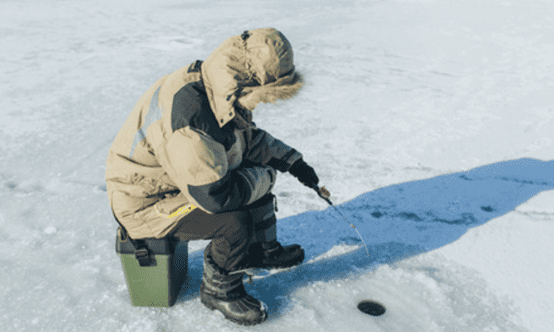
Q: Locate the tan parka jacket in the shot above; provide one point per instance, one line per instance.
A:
(189, 141)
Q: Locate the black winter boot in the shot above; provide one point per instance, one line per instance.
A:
(266, 251)
(273, 255)
(225, 292)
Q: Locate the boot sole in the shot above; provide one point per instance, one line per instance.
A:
(236, 321)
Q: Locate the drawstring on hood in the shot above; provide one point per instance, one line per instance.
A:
(248, 69)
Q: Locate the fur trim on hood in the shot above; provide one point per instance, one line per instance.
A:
(284, 88)
(248, 69)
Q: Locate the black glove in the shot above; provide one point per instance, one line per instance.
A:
(304, 173)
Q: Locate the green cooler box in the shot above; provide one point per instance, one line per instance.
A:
(154, 270)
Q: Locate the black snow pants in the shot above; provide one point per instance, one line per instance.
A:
(231, 232)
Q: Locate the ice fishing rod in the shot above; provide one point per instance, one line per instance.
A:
(325, 194)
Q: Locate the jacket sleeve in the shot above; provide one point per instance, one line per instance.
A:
(267, 150)
(198, 165)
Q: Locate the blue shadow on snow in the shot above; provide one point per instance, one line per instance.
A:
(396, 222)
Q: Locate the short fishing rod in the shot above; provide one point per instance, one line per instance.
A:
(325, 194)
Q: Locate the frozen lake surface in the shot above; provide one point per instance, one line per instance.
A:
(430, 122)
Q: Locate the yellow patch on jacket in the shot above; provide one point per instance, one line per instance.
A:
(180, 211)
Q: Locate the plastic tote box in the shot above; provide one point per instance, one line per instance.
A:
(155, 280)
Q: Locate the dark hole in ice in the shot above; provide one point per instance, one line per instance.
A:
(371, 308)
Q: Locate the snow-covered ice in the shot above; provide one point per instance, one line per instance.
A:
(431, 123)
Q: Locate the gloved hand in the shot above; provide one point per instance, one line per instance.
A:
(304, 173)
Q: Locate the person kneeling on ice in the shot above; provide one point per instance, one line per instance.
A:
(190, 163)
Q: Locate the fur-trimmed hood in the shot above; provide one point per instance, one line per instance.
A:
(248, 69)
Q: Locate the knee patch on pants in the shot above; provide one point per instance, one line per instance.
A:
(265, 221)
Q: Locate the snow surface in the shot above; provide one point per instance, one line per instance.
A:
(430, 122)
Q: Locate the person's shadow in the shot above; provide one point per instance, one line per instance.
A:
(396, 222)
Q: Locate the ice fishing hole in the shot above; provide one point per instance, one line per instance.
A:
(371, 308)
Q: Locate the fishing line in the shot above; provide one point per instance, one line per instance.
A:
(325, 194)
